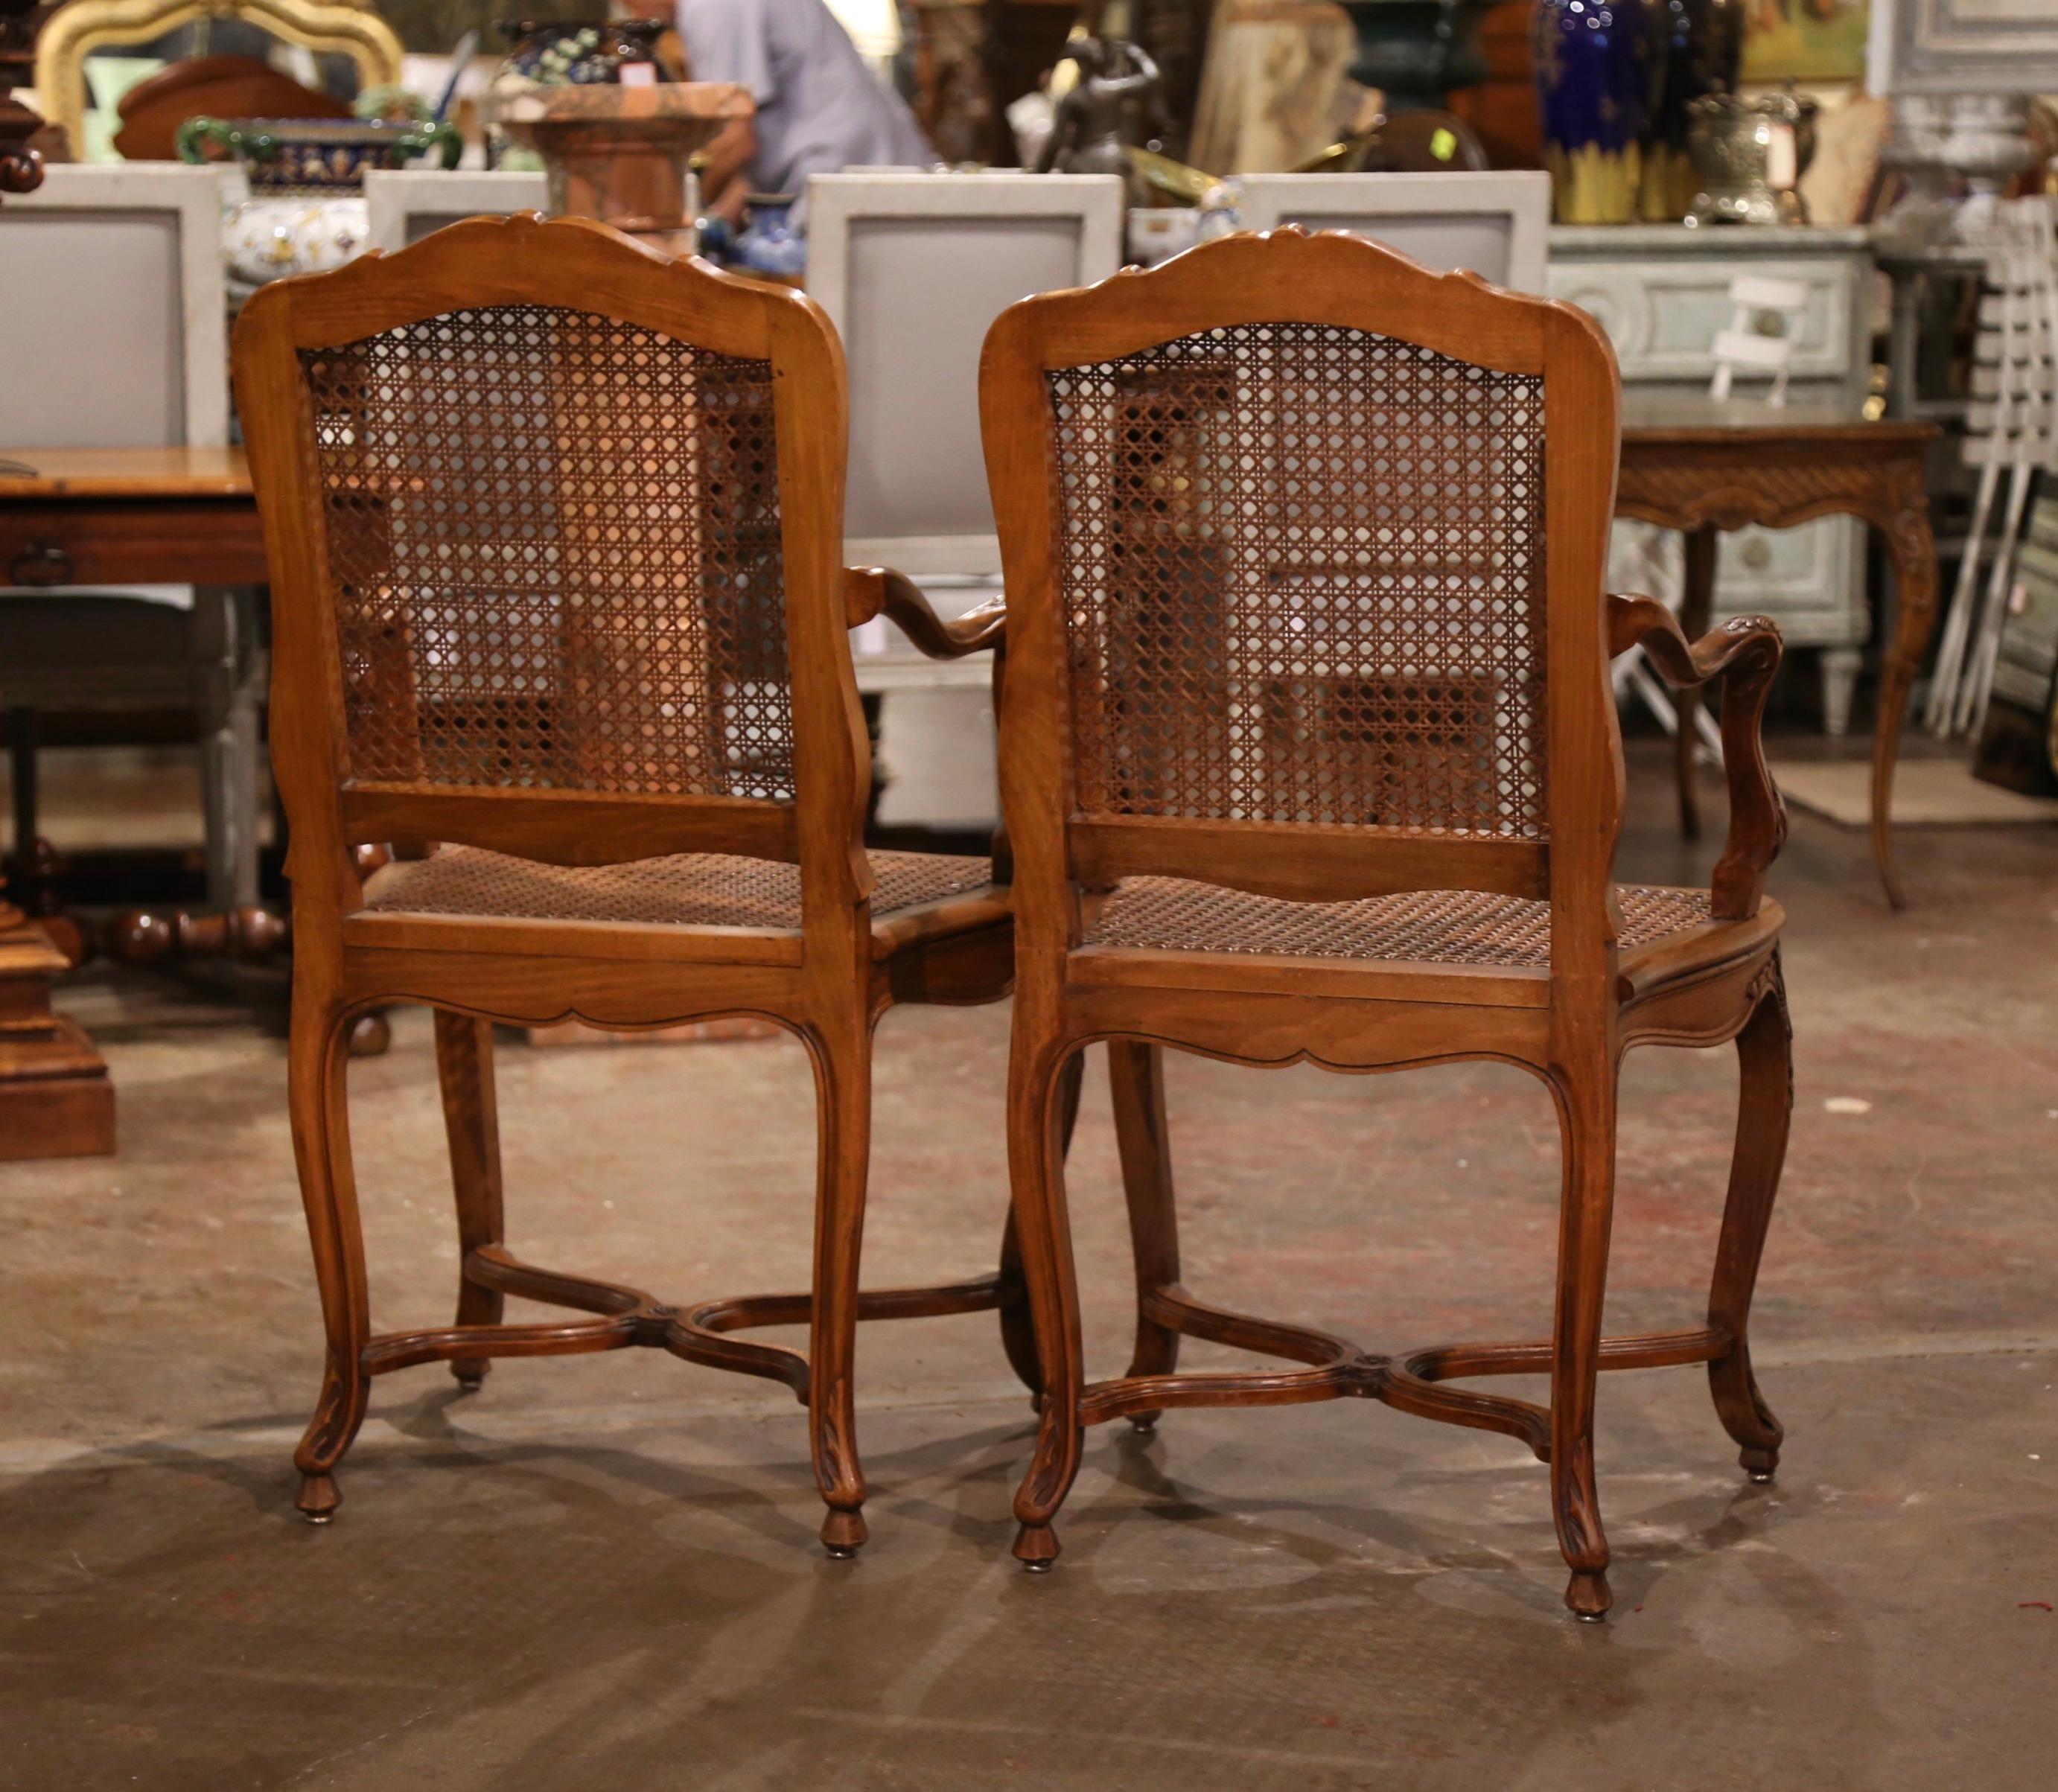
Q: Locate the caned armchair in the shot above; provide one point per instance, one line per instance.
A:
(1308, 753)
(555, 527)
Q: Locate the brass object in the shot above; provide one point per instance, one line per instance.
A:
(1750, 155)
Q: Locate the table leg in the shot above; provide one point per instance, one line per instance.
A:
(1697, 605)
(1905, 343)
(21, 745)
(229, 684)
(1912, 549)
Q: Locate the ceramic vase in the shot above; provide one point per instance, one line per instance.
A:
(305, 214)
(769, 244)
(1592, 83)
(1696, 46)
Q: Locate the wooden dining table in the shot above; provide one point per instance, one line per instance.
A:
(99, 517)
(1702, 465)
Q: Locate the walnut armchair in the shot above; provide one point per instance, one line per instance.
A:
(1308, 752)
(555, 530)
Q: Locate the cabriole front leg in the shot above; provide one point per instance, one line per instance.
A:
(843, 1081)
(1036, 1171)
(1586, 1113)
(1018, 1330)
(317, 1100)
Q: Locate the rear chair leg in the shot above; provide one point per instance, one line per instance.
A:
(464, 1068)
(317, 1101)
(1136, 1073)
(1036, 1170)
(843, 1083)
(1586, 1110)
(1764, 1107)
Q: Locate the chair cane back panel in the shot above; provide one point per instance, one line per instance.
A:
(553, 553)
(1301, 574)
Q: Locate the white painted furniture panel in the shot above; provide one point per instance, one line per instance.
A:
(1496, 225)
(404, 205)
(1663, 314)
(912, 269)
(119, 266)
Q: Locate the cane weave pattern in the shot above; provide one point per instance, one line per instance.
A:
(687, 889)
(1302, 574)
(554, 553)
(1432, 927)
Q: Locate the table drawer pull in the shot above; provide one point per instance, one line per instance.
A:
(42, 564)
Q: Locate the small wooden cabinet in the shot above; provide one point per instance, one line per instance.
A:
(1661, 292)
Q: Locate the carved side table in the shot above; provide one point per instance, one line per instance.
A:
(1702, 466)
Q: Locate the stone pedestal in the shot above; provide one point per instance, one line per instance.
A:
(620, 154)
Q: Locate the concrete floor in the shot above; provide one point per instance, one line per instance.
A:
(602, 1570)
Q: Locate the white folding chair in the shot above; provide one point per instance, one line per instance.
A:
(2013, 428)
(1746, 346)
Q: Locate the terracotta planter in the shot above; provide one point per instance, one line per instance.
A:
(620, 154)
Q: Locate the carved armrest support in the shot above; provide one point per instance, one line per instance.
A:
(1744, 650)
(870, 591)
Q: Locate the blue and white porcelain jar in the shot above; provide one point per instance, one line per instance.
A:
(769, 244)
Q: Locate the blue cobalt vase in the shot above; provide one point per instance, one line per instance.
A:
(1593, 83)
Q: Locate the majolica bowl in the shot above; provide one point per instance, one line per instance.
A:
(305, 214)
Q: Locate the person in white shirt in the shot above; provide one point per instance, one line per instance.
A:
(820, 108)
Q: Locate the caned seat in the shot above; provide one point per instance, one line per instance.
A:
(682, 890)
(1308, 754)
(1420, 927)
(554, 527)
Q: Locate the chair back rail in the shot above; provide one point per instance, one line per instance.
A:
(554, 524)
(1299, 603)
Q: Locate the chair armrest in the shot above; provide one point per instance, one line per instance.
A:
(870, 591)
(1747, 651)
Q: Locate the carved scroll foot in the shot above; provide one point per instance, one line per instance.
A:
(1587, 1597)
(1036, 1548)
(318, 1499)
(844, 1534)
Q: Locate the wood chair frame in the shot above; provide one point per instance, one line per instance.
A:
(1567, 1024)
(829, 981)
